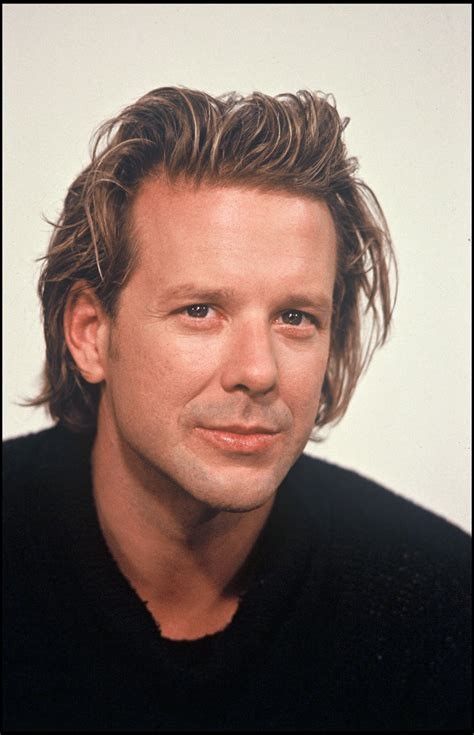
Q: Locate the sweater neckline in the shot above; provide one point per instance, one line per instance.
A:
(277, 570)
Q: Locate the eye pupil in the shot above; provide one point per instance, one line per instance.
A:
(292, 317)
(198, 310)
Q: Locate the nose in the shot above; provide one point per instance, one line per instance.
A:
(250, 362)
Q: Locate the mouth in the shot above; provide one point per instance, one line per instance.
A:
(240, 439)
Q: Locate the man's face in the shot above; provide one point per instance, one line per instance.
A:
(219, 348)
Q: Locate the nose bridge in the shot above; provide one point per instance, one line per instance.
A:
(250, 361)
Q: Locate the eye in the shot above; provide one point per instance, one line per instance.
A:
(197, 311)
(295, 318)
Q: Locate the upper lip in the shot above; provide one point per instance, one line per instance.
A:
(240, 429)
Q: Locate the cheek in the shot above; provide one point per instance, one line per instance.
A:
(153, 366)
(301, 381)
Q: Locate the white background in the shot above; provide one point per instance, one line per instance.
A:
(400, 72)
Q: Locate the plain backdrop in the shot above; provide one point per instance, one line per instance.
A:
(399, 71)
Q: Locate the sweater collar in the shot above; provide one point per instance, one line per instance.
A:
(276, 571)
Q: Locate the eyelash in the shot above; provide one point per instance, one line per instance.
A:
(303, 314)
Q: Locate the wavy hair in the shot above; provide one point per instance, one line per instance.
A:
(290, 142)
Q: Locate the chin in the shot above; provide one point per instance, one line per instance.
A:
(234, 491)
(239, 504)
(219, 482)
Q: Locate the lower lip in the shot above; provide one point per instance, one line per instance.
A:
(242, 443)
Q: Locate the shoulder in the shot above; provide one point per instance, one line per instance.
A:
(391, 583)
(45, 475)
(365, 509)
(28, 455)
(36, 469)
(382, 541)
(31, 442)
(25, 460)
(17, 453)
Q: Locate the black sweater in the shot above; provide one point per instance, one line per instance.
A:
(355, 618)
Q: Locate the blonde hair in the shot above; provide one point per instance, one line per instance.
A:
(290, 142)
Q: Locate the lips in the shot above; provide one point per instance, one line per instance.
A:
(241, 429)
(238, 438)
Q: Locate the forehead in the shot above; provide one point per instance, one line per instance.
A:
(232, 231)
(228, 206)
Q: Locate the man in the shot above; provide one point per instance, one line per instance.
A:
(173, 561)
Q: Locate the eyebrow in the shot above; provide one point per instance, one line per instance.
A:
(318, 301)
(191, 291)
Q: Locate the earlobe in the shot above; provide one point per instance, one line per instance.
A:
(85, 330)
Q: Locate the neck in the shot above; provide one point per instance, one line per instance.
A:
(180, 555)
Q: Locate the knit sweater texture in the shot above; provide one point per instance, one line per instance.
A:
(356, 615)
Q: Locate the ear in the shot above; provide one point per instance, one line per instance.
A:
(86, 329)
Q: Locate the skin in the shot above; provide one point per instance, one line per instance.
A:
(224, 324)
